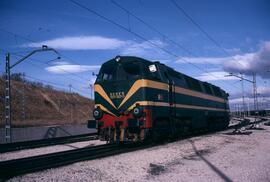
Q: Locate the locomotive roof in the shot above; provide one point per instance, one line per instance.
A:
(128, 59)
(169, 68)
(138, 59)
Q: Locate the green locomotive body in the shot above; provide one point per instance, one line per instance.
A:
(136, 99)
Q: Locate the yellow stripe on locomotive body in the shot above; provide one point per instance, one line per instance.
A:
(144, 83)
(192, 93)
(165, 104)
(104, 109)
(148, 103)
(98, 88)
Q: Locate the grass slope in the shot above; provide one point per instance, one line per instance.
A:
(45, 106)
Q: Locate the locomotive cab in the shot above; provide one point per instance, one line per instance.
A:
(120, 99)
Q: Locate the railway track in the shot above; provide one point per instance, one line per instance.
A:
(16, 167)
(9, 147)
(21, 166)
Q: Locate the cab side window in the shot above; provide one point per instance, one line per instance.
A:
(107, 73)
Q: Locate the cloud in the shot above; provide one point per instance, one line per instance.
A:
(233, 50)
(239, 63)
(248, 63)
(60, 63)
(201, 60)
(258, 62)
(81, 43)
(69, 68)
(146, 50)
(263, 98)
(264, 91)
(249, 102)
(92, 81)
(125, 47)
(88, 84)
(239, 100)
(261, 90)
(215, 75)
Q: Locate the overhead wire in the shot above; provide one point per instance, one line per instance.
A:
(29, 40)
(61, 86)
(45, 81)
(55, 86)
(180, 8)
(32, 41)
(39, 61)
(151, 27)
(188, 16)
(137, 35)
(163, 35)
(35, 65)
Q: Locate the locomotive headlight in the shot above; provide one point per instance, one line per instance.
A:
(97, 113)
(137, 112)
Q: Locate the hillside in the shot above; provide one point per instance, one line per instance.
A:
(44, 105)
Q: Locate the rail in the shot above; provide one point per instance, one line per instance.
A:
(9, 147)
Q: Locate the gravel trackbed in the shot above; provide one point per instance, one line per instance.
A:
(211, 157)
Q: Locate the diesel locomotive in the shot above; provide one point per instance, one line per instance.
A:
(136, 99)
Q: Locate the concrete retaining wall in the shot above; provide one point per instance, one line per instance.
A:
(37, 133)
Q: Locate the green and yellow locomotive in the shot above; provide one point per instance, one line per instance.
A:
(136, 99)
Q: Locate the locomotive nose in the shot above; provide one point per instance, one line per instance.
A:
(117, 92)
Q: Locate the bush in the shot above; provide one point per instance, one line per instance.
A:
(17, 77)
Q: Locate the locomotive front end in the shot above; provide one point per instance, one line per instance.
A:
(120, 113)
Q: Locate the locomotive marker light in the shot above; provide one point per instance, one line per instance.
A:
(137, 112)
(117, 59)
(97, 113)
(152, 68)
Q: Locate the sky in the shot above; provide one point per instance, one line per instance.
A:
(204, 39)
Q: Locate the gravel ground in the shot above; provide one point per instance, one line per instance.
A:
(47, 150)
(55, 148)
(212, 157)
